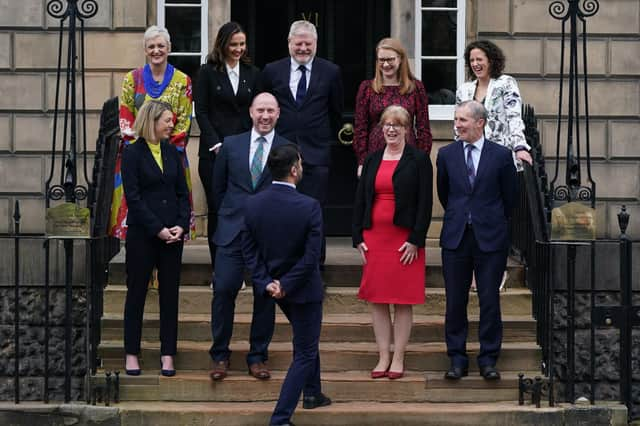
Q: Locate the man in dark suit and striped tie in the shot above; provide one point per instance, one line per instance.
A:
(240, 171)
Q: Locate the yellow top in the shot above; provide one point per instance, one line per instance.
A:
(157, 155)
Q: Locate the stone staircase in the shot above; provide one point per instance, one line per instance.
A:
(348, 352)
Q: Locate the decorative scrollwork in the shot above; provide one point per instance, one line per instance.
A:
(57, 9)
(588, 8)
(584, 194)
(87, 9)
(80, 192)
(558, 9)
(561, 193)
(56, 192)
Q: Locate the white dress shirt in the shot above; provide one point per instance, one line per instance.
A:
(254, 146)
(234, 76)
(279, 182)
(296, 74)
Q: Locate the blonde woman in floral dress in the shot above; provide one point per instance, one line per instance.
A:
(500, 96)
(157, 80)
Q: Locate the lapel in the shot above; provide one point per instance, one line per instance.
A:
(490, 90)
(224, 83)
(243, 86)
(406, 158)
(148, 157)
(485, 158)
(285, 72)
(245, 171)
(314, 81)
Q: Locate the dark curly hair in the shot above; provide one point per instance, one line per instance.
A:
(217, 55)
(494, 54)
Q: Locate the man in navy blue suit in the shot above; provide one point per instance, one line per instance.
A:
(240, 171)
(310, 93)
(477, 186)
(282, 248)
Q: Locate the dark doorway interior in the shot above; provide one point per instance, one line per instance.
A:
(348, 31)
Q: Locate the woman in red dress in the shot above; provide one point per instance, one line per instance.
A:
(392, 212)
(393, 84)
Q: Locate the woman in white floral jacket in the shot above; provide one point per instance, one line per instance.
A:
(499, 94)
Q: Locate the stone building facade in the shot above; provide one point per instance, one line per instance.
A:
(523, 28)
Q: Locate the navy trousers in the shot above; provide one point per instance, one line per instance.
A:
(458, 266)
(303, 376)
(230, 267)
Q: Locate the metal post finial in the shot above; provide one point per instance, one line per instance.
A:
(623, 221)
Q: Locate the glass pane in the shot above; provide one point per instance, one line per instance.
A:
(187, 64)
(439, 33)
(438, 3)
(183, 24)
(439, 78)
(167, 2)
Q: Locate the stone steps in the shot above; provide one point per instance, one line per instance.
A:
(343, 266)
(419, 356)
(338, 300)
(346, 386)
(136, 413)
(335, 328)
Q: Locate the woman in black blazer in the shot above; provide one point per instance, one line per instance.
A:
(392, 212)
(158, 198)
(226, 85)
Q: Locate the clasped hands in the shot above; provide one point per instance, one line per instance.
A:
(409, 252)
(274, 288)
(171, 235)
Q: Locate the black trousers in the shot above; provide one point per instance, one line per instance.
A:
(143, 253)
(205, 169)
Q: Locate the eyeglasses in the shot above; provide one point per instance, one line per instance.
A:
(389, 126)
(391, 60)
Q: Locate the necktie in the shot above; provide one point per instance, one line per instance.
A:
(471, 170)
(256, 162)
(302, 85)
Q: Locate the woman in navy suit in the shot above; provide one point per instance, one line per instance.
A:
(156, 192)
(226, 85)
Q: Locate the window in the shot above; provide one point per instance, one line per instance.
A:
(186, 21)
(439, 47)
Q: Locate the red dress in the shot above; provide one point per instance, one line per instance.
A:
(384, 278)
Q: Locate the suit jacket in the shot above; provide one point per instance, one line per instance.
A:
(272, 214)
(156, 198)
(219, 111)
(310, 125)
(232, 185)
(412, 188)
(489, 202)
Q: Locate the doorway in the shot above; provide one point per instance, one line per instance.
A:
(348, 31)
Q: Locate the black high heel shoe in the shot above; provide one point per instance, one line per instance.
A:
(134, 372)
(166, 373)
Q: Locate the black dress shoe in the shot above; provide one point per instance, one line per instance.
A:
(490, 372)
(311, 402)
(456, 373)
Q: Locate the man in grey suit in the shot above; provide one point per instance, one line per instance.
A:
(240, 171)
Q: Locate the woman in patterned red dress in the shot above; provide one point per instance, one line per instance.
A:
(393, 84)
(392, 212)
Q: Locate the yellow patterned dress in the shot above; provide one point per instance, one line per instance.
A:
(178, 94)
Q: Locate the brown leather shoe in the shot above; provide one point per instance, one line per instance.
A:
(219, 371)
(260, 371)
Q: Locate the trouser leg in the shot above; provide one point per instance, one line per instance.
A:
(169, 263)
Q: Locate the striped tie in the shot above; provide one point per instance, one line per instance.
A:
(471, 170)
(256, 162)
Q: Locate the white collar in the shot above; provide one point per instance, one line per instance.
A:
(279, 182)
(478, 144)
(269, 136)
(295, 65)
(235, 69)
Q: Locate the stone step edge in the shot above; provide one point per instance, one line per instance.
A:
(358, 319)
(430, 347)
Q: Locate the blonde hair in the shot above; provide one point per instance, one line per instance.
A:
(396, 112)
(405, 78)
(153, 32)
(147, 117)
